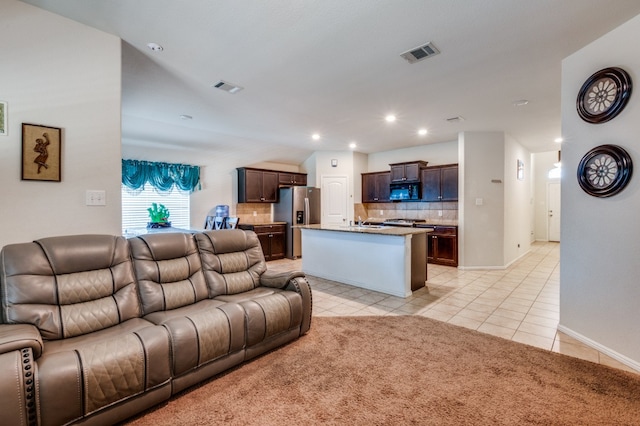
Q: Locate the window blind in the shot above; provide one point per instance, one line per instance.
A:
(136, 203)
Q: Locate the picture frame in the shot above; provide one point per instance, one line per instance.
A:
(520, 170)
(3, 118)
(41, 152)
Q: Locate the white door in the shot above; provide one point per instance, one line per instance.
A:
(553, 194)
(335, 199)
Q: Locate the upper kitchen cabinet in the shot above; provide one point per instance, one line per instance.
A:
(440, 183)
(257, 186)
(407, 172)
(375, 187)
(292, 179)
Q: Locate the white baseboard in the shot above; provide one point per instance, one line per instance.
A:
(483, 268)
(600, 348)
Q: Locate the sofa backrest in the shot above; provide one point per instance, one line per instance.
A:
(232, 260)
(68, 286)
(169, 271)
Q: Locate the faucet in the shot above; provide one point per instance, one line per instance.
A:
(360, 223)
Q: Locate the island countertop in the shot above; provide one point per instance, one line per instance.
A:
(388, 259)
(369, 229)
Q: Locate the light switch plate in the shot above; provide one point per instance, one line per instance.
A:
(479, 201)
(96, 197)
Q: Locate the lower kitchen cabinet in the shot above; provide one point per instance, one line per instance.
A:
(442, 246)
(271, 237)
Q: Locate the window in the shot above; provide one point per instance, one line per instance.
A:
(555, 173)
(135, 205)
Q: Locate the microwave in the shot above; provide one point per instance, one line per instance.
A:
(405, 192)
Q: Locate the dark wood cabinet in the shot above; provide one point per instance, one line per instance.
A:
(292, 179)
(271, 237)
(407, 172)
(257, 186)
(442, 246)
(440, 183)
(375, 187)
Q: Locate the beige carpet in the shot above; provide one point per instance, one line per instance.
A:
(407, 370)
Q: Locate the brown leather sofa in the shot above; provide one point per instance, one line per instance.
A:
(97, 328)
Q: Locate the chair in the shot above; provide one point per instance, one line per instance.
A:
(208, 222)
(231, 223)
(214, 222)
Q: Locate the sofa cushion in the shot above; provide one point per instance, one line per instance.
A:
(268, 312)
(68, 286)
(82, 376)
(202, 333)
(232, 260)
(169, 271)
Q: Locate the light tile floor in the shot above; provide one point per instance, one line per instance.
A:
(520, 303)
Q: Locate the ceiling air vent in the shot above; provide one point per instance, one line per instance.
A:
(419, 53)
(227, 87)
(457, 119)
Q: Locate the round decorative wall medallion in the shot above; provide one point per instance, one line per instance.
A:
(605, 170)
(604, 95)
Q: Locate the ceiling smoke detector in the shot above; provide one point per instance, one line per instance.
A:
(227, 87)
(419, 53)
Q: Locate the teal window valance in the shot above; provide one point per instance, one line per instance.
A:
(162, 176)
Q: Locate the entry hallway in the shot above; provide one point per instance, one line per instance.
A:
(520, 303)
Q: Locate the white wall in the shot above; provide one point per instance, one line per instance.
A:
(434, 154)
(599, 287)
(481, 227)
(59, 73)
(360, 165)
(518, 201)
(543, 162)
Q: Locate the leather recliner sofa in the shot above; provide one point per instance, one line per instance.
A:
(97, 328)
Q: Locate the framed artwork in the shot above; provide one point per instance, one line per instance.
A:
(3, 118)
(604, 95)
(41, 152)
(520, 170)
(605, 170)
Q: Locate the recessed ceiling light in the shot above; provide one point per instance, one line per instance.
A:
(520, 102)
(422, 132)
(390, 118)
(315, 136)
(558, 140)
(155, 47)
(352, 145)
(185, 117)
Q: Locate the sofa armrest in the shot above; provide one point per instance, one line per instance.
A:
(18, 388)
(278, 279)
(19, 336)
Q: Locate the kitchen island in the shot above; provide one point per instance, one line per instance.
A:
(386, 259)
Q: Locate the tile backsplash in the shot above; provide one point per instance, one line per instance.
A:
(245, 212)
(439, 213)
(381, 211)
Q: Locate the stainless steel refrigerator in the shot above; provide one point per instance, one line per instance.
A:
(298, 205)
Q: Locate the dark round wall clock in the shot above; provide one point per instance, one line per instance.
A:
(605, 170)
(604, 95)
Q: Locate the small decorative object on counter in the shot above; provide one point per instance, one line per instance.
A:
(159, 216)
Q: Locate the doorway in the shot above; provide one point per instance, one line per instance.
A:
(335, 199)
(553, 210)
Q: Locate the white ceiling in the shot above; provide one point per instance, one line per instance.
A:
(334, 67)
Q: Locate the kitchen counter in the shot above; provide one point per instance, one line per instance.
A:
(387, 259)
(368, 229)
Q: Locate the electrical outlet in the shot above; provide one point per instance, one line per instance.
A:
(255, 213)
(440, 213)
(381, 212)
